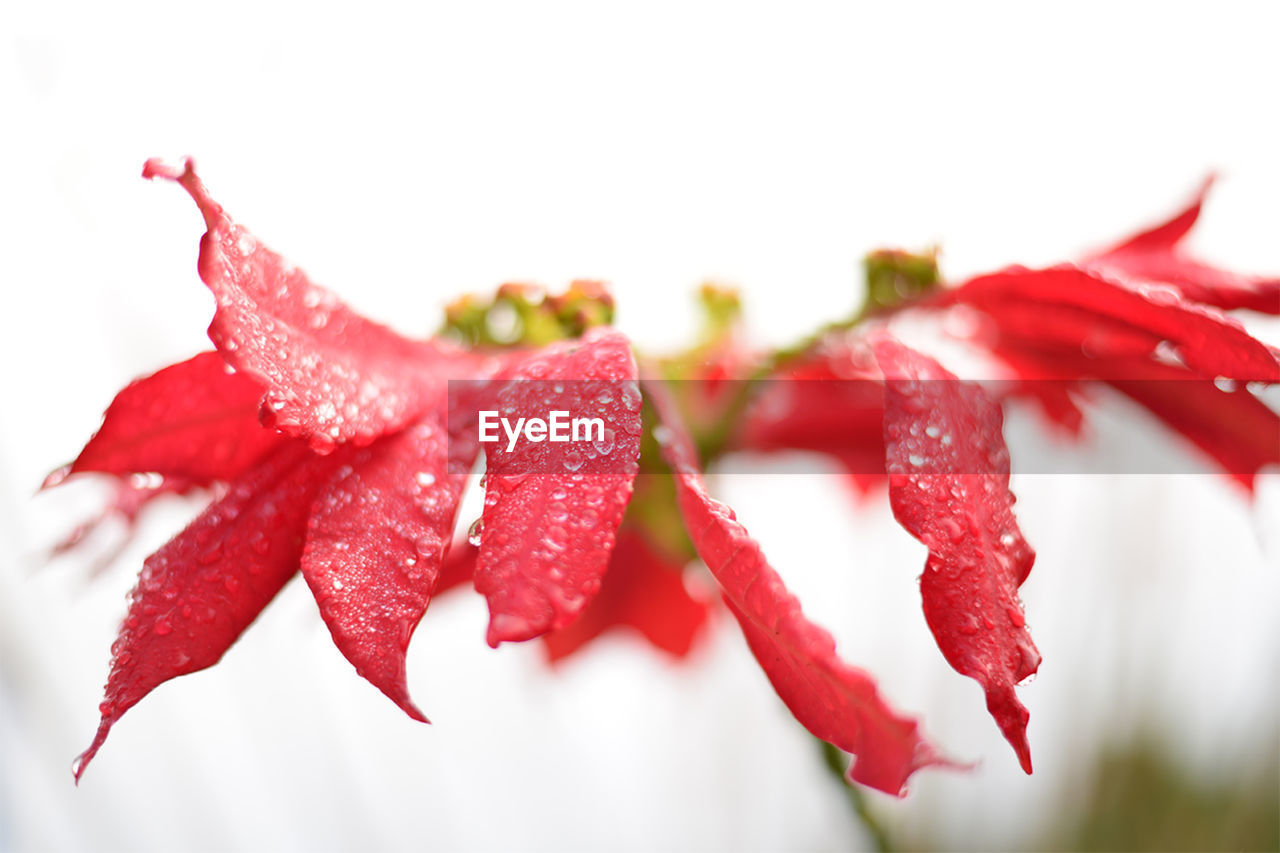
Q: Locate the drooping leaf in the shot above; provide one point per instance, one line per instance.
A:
(198, 593)
(643, 590)
(552, 510)
(195, 421)
(331, 375)
(949, 487)
(834, 701)
(1075, 308)
(375, 544)
(1224, 419)
(1156, 255)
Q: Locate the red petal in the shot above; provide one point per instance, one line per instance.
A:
(1169, 233)
(949, 487)
(546, 537)
(198, 593)
(1235, 428)
(1153, 255)
(829, 403)
(331, 375)
(642, 590)
(193, 420)
(1080, 309)
(834, 701)
(375, 544)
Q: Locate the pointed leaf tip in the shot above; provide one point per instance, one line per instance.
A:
(376, 540)
(330, 375)
(949, 487)
(836, 702)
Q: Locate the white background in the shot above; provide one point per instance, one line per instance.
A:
(403, 156)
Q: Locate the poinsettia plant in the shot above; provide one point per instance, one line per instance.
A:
(338, 448)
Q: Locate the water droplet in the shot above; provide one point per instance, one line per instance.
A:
(476, 531)
(604, 444)
(916, 459)
(631, 396)
(555, 537)
(162, 627)
(426, 478)
(337, 584)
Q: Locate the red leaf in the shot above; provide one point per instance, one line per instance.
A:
(198, 593)
(830, 403)
(949, 487)
(642, 590)
(1075, 308)
(1154, 255)
(194, 420)
(834, 701)
(331, 375)
(552, 510)
(375, 544)
(1232, 426)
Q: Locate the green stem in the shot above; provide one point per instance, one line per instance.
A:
(836, 761)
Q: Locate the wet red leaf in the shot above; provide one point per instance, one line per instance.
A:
(194, 420)
(375, 544)
(1073, 308)
(331, 375)
(834, 701)
(198, 593)
(949, 487)
(552, 510)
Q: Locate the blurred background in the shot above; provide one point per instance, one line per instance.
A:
(405, 155)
